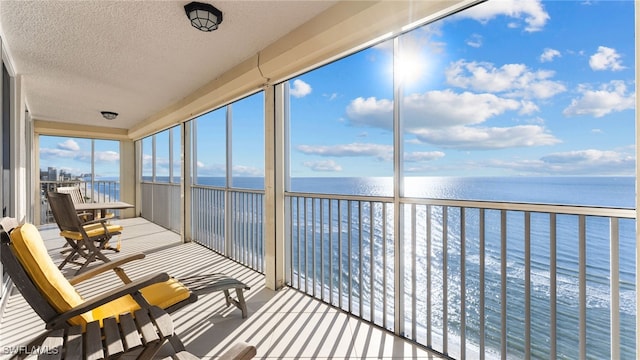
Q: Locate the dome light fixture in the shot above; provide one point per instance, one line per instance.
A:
(109, 115)
(203, 17)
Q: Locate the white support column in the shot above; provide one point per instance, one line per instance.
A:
(137, 194)
(129, 174)
(18, 129)
(274, 232)
(185, 180)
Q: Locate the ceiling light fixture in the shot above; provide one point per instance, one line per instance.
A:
(109, 115)
(203, 17)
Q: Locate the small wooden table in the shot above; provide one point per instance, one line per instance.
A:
(146, 328)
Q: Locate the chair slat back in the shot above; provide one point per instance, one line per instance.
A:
(74, 191)
(64, 212)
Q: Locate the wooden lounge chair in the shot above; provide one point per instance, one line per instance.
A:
(87, 239)
(60, 306)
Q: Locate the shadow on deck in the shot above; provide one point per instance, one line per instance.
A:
(281, 324)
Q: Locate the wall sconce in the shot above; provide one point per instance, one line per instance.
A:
(203, 17)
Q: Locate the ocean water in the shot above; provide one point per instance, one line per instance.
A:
(616, 192)
(588, 191)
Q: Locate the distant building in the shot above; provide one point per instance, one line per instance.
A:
(51, 174)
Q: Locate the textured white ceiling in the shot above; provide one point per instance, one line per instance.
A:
(132, 57)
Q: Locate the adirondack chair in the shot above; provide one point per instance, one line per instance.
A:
(87, 239)
(61, 307)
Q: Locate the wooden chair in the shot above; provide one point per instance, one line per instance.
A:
(87, 239)
(78, 198)
(74, 191)
(58, 303)
(54, 298)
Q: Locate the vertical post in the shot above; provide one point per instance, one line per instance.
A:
(93, 172)
(582, 288)
(553, 285)
(527, 285)
(186, 169)
(228, 211)
(398, 249)
(138, 164)
(130, 174)
(637, 247)
(614, 275)
(274, 234)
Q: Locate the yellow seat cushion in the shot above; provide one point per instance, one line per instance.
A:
(32, 254)
(162, 295)
(92, 230)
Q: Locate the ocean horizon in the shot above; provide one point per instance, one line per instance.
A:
(596, 191)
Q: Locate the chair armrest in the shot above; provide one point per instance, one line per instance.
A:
(96, 221)
(127, 289)
(111, 265)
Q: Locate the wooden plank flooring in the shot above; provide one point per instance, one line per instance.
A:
(284, 324)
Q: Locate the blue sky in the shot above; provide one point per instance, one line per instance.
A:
(506, 88)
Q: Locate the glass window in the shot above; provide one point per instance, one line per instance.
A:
(210, 158)
(107, 160)
(176, 146)
(341, 125)
(147, 159)
(162, 159)
(492, 96)
(248, 142)
(65, 159)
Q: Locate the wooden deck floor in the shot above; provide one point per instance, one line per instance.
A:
(283, 324)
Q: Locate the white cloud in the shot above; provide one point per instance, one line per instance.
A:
(331, 96)
(379, 151)
(549, 54)
(420, 156)
(529, 11)
(579, 162)
(147, 160)
(475, 41)
(323, 165)
(210, 169)
(441, 108)
(300, 89)
(242, 170)
(70, 145)
(371, 112)
(605, 59)
(611, 97)
(515, 80)
(107, 156)
(465, 137)
(52, 153)
(447, 108)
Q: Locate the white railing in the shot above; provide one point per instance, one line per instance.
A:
(472, 279)
(235, 231)
(161, 204)
(93, 191)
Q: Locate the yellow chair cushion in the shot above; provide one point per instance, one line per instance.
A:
(57, 290)
(162, 295)
(92, 231)
(32, 254)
